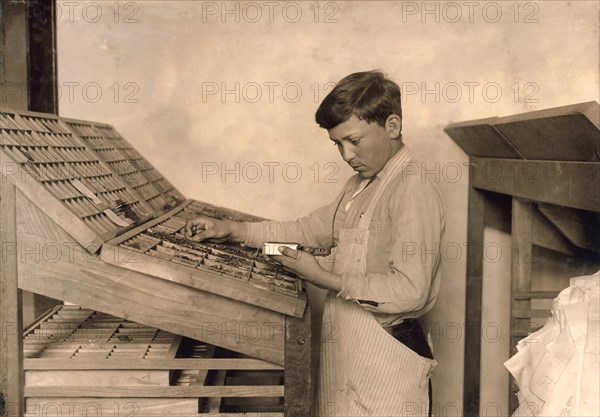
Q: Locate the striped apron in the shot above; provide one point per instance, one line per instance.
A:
(364, 371)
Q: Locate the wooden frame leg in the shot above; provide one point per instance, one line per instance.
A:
(522, 264)
(472, 366)
(11, 326)
(298, 367)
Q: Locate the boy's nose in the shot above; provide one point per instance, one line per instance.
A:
(347, 153)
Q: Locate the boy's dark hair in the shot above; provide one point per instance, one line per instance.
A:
(368, 95)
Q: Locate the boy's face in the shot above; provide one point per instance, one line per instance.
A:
(366, 147)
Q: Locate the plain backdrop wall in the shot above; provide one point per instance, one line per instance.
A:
(220, 97)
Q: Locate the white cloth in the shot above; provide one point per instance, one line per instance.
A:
(557, 368)
(363, 184)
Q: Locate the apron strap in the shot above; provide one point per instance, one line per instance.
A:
(397, 165)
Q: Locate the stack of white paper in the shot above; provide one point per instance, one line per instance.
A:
(557, 368)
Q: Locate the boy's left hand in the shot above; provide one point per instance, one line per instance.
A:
(302, 263)
(307, 266)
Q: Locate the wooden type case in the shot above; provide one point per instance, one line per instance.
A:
(224, 295)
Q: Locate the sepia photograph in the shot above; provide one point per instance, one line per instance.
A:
(299, 208)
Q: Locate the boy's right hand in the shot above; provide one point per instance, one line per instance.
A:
(202, 228)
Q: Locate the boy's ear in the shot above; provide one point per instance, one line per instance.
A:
(393, 125)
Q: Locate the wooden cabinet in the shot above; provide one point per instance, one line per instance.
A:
(541, 170)
(87, 220)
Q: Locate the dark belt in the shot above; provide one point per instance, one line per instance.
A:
(410, 334)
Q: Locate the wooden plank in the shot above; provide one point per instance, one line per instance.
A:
(142, 414)
(554, 182)
(299, 371)
(75, 276)
(528, 295)
(590, 110)
(114, 233)
(11, 325)
(214, 403)
(546, 235)
(132, 412)
(565, 137)
(174, 347)
(42, 304)
(40, 225)
(205, 280)
(109, 407)
(156, 392)
(139, 229)
(582, 228)
(562, 133)
(527, 314)
(521, 275)
(42, 318)
(97, 378)
(158, 364)
(473, 308)
(481, 139)
(51, 207)
(241, 414)
(202, 374)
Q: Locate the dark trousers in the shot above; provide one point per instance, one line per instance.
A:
(410, 333)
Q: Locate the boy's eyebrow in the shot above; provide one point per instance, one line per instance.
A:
(347, 137)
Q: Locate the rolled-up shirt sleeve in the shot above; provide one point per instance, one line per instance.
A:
(312, 230)
(417, 223)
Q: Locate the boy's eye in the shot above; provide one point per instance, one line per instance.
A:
(354, 141)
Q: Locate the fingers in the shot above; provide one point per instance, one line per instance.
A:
(203, 228)
(190, 227)
(290, 253)
(289, 257)
(284, 260)
(201, 235)
(195, 234)
(195, 229)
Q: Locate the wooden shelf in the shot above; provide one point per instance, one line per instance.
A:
(547, 165)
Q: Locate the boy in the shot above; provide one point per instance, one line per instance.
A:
(377, 287)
